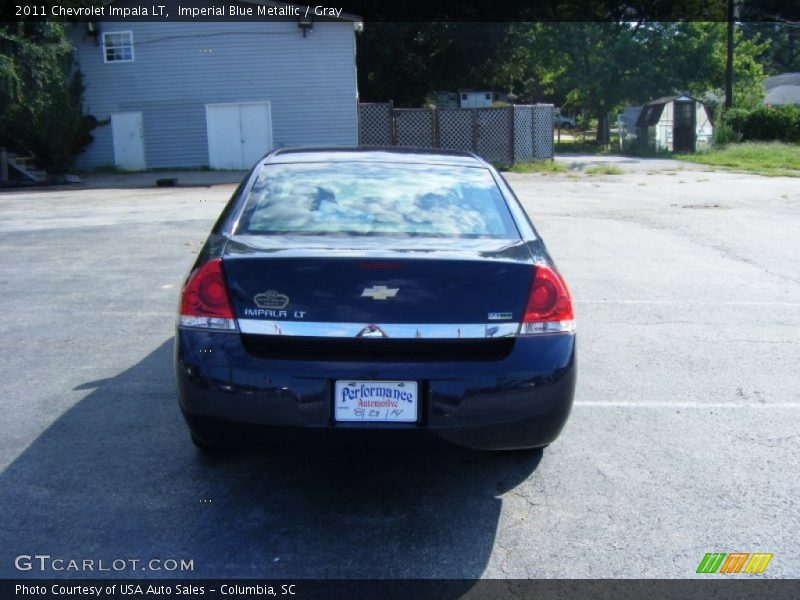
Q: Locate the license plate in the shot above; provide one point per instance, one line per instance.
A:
(384, 401)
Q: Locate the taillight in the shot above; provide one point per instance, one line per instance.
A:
(204, 300)
(549, 308)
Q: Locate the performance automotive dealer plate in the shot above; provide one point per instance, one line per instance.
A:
(387, 401)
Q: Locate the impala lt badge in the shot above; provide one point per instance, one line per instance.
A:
(271, 299)
(379, 292)
(500, 316)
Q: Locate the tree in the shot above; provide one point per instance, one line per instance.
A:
(591, 66)
(600, 67)
(596, 67)
(41, 93)
(783, 54)
(406, 62)
(691, 57)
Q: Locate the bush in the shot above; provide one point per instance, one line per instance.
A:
(538, 166)
(765, 123)
(41, 94)
(727, 126)
(604, 170)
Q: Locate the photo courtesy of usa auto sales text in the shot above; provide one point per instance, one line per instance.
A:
(137, 590)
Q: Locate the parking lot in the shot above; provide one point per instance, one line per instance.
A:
(684, 438)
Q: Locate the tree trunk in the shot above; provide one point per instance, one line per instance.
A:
(601, 136)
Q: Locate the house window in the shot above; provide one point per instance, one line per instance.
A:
(118, 46)
(463, 96)
(488, 96)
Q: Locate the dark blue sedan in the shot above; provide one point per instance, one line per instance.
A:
(375, 295)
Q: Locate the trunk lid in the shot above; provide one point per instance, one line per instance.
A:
(377, 280)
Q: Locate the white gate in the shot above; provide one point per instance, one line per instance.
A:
(238, 134)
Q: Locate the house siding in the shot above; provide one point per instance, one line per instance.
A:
(180, 67)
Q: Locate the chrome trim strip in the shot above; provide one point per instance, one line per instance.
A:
(376, 330)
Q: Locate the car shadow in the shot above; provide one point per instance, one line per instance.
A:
(116, 477)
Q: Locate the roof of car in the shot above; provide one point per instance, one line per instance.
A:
(375, 154)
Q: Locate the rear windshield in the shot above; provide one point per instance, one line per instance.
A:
(376, 199)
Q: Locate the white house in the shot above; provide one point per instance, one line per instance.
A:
(219, 94)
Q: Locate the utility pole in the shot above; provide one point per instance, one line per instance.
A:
(729, 58)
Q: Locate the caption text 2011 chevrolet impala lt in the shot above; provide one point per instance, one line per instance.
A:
(375, 294)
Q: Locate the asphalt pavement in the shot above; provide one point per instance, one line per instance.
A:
(684, 439)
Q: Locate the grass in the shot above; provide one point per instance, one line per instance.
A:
(762, 158)
(604, 170)
(538, 166)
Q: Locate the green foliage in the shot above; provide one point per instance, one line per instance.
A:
(724, 132)
(773, 158)
(780, 123)
(407, 62)
(782, 55)
(41, 94)
(590, 67)
(538, 166)
(604, 170)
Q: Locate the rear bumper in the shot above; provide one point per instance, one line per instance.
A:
(519, 401)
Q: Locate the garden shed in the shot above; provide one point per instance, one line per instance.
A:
(675, 124)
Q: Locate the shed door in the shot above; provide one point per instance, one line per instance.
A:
(127, 132)
(683, 130)
(238, 134)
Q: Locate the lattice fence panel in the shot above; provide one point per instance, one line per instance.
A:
(455, 129)
(413, 127)
(523, 133)
(375, 124)
(542, 131)
(500, 135)
(494, 135)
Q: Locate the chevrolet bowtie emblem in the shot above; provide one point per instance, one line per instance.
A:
(379, 292)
